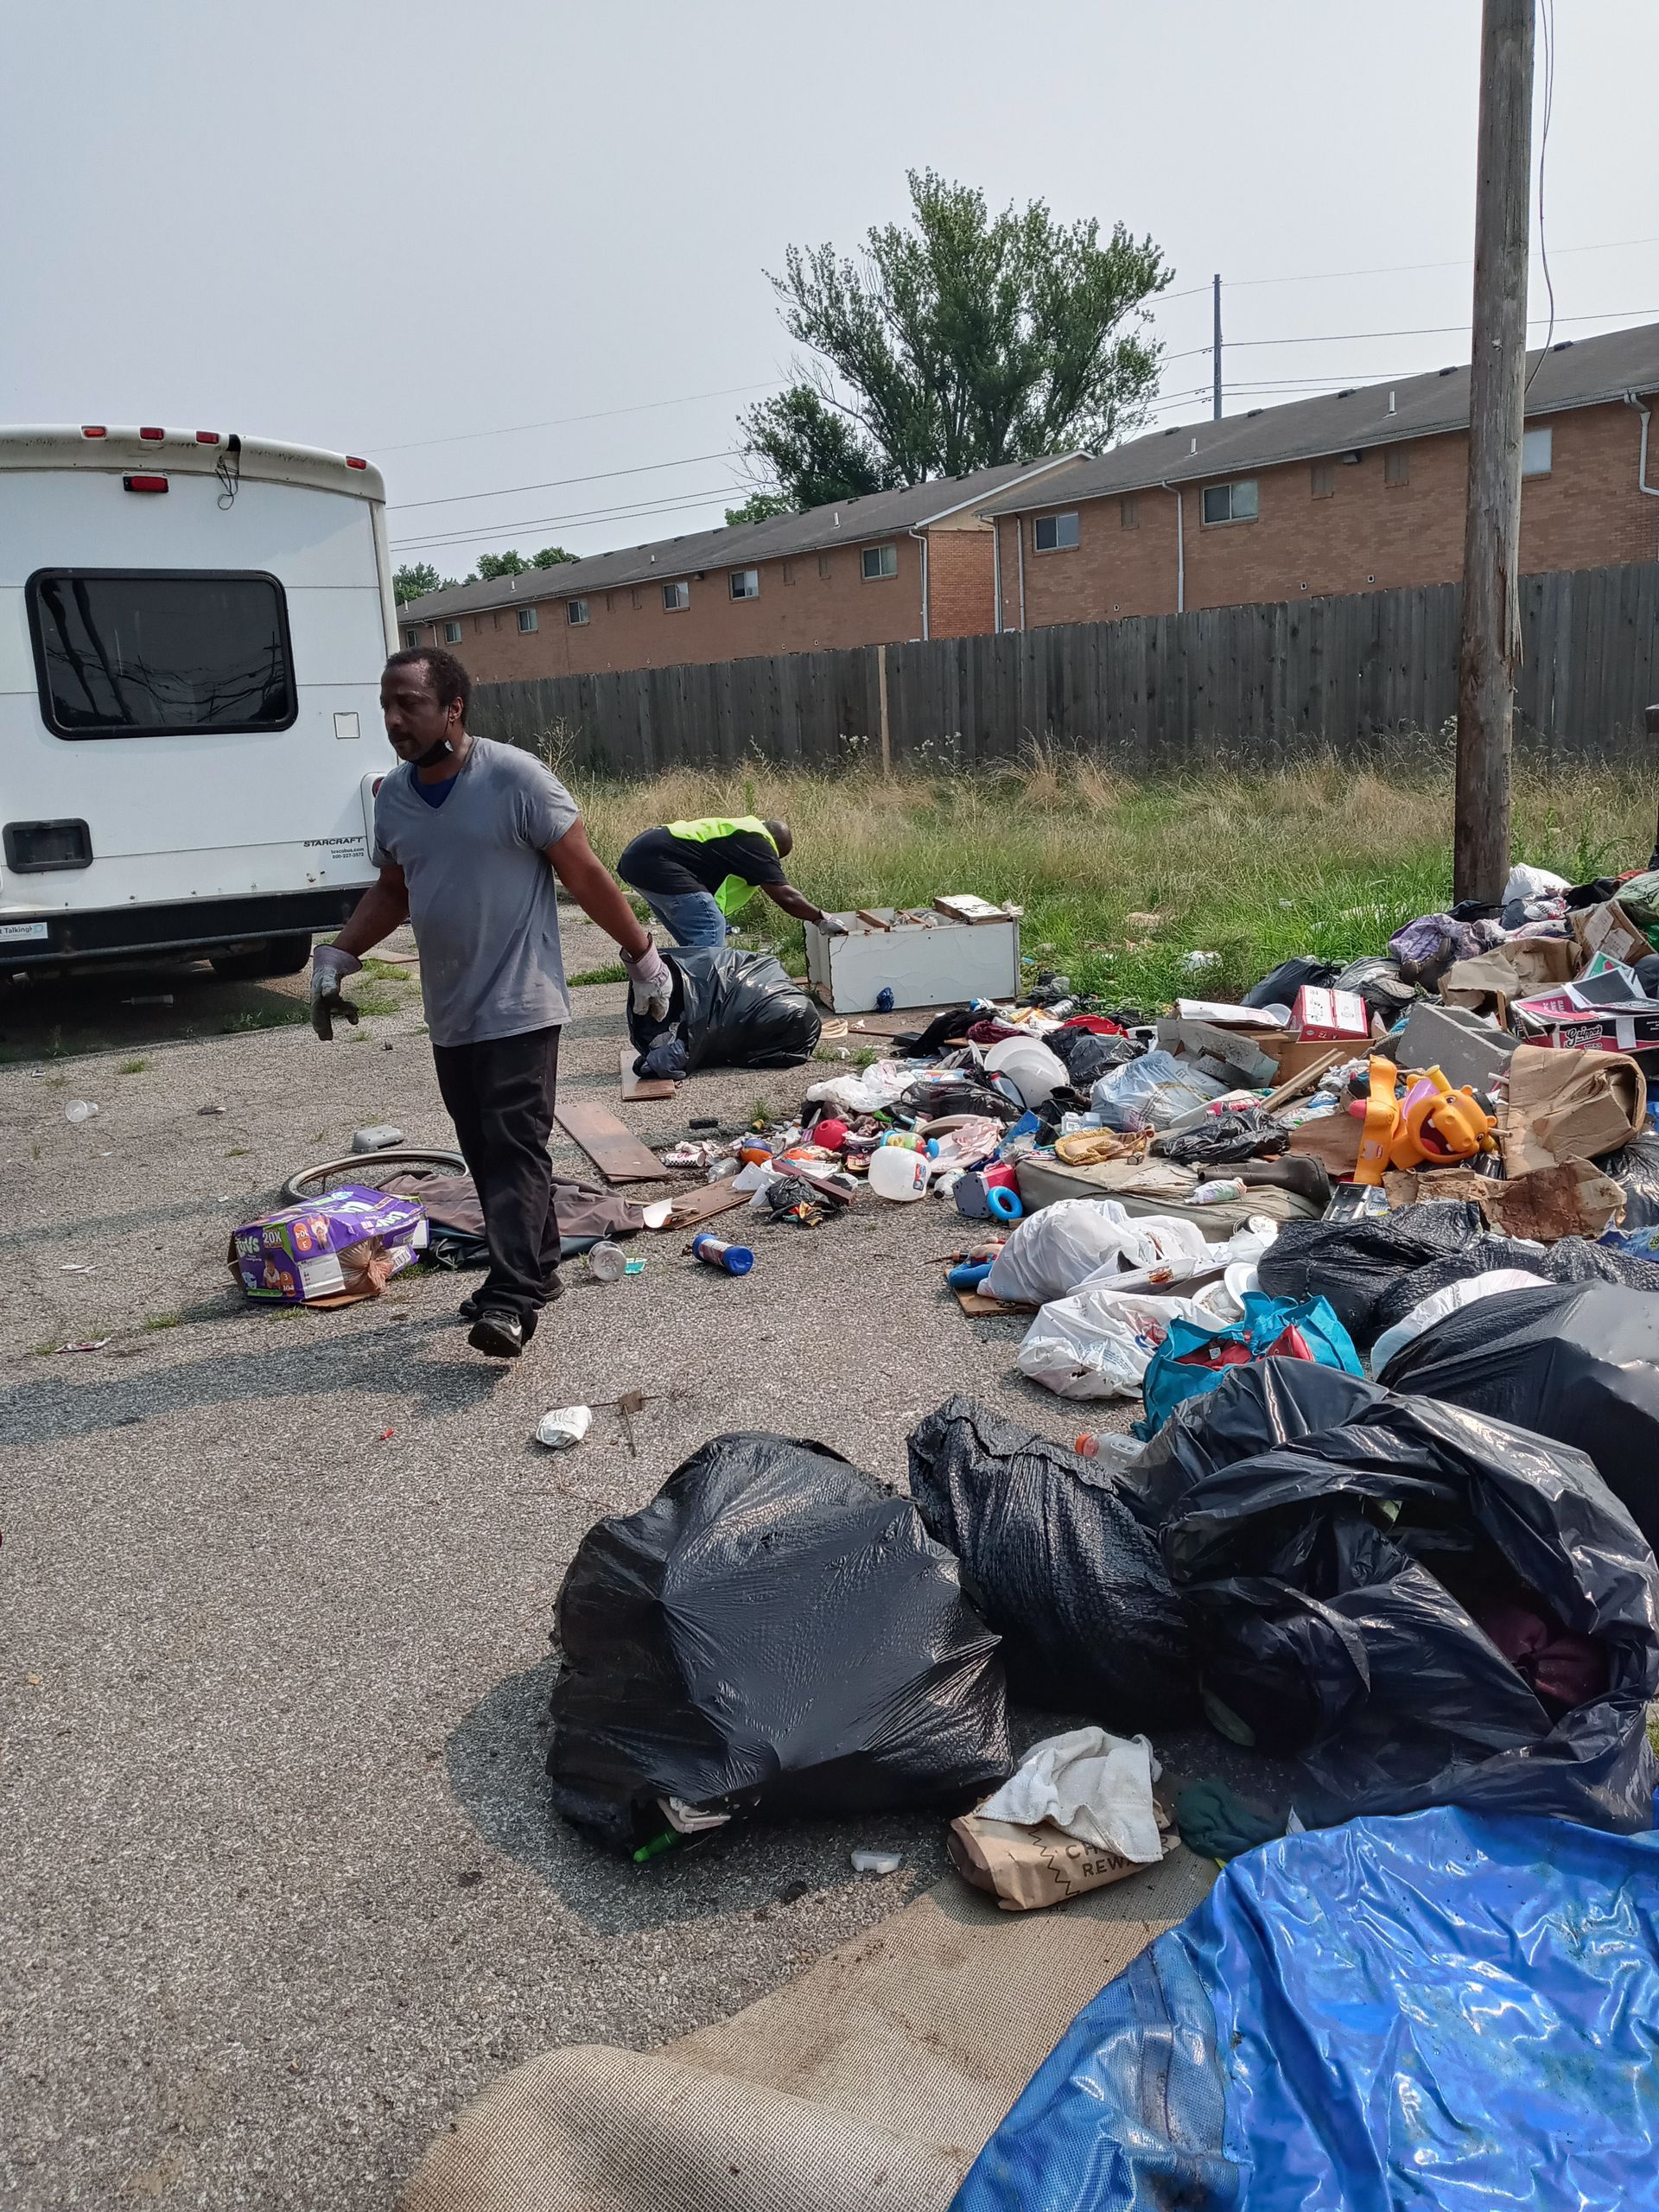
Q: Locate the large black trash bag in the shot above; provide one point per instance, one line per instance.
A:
(1087, 1054)
(1223, 1140)
(775, 1634)
(1635, 1168)
(1058, 1564)
(1574, 1259)
(1254, 1408)
(1279, 986)
(1578, 1362)
(734, 1009)
(1355, 1263)
(1332, 1584)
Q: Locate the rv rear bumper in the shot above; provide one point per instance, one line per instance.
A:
(194, 925)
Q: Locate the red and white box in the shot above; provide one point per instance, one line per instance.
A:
(1327, 1017)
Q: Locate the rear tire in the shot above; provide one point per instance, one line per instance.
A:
(360, 1167)
(278, 956)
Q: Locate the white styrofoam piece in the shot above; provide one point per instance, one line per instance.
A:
(940, 962)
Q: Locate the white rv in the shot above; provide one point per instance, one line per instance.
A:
(192, 630)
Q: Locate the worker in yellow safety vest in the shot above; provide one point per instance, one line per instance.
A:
(696, 877)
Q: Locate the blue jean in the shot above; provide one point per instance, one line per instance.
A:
(691, 917)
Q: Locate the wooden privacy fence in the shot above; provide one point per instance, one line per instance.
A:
(1154, 694)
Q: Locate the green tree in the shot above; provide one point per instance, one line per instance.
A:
(513, 563)
(550, 557)
(760, 506)
(414, 580)
(965, 339)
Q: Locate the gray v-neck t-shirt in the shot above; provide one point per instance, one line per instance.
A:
(481, 892)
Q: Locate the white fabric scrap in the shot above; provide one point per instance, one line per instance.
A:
(1091, 1785)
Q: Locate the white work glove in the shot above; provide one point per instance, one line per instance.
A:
(329, 969)
(832, 927)
(652, 979)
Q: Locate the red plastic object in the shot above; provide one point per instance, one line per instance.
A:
(1327, 1017)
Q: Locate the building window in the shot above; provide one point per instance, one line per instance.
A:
(789, 572)
(411, 638)
(824, 564)
(1128, 514)
(452, 633)
(880, 561)
(576, 612)
(1322, 481)
(746, 584)
(676, 598)
(1054, 533)
(529, 619)
(1536, 451)
(1230, 502)
(1397, 464)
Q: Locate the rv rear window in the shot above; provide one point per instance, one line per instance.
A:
(158, 652)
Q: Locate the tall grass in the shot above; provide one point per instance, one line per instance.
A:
(1321, 858)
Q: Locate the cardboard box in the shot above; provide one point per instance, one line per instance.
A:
(1608, 929)
(1575, 1199)
(1568, 1105)
(330, 1251)
(1025, 1869)
(1331, 1017)
(1564, 1024)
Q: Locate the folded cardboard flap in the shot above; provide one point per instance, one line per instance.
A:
(1569, 1105)
(1543, 1203)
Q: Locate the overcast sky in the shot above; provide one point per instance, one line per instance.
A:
(495, 246)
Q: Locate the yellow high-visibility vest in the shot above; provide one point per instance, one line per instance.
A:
(735, 892)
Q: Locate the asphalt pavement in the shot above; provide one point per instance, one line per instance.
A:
(283, 1889)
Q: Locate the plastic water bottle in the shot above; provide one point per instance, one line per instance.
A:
(1230, 1190)
(606, 1262)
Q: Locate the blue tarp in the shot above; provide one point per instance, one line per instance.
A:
(1440, 2011)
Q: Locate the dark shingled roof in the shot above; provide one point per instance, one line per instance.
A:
(739, 545)
(1582, 372)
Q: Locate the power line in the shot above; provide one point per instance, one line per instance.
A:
(557, 422)
(586, 515)
(1426, 330)
(1393, 268)
(554, 483)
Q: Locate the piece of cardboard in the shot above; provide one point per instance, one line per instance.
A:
(1295, 1055)
(1539, 961)
(1027, 1868)
(1608, 929)
(1484, 985)
(335, 1250)
(1569, 1105)
(1575, 1199)
(1333, 1138)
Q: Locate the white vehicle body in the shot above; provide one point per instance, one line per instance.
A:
(192, 630)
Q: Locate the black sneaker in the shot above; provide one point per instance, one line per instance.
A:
(471, 1307)
(499, 1335)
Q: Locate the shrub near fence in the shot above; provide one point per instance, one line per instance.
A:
(1251, 686)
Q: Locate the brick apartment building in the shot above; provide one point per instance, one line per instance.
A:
(1354, 490)
(894, 565)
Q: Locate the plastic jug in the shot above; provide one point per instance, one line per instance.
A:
(899, 1174)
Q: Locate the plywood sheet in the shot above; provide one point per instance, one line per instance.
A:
(615, 1151)
(636, 1087)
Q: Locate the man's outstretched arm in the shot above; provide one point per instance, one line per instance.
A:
(599, 896)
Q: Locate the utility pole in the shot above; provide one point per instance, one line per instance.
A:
(1216, 282)
(1490, 646)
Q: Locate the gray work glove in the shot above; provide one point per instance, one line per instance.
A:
(832, 927)
(329, 969)
(653, 980)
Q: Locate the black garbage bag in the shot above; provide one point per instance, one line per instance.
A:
(968, 1094)
(1254, 1408)
(1087, 1054)
(1635, 1168)
(1574, 1259)
(1280, 988)
(1355, 1263)
(1221, 1139)
(774, 1634)
(1578, 1362)
(1345, 1591)
(732, 1009)
(1058, 1564)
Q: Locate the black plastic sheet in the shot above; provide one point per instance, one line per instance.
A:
(1058, 1564)
(1635, 1168)
(774, 1634)
(1279, 987)
(1331, 1585)
(1578, 1362)
(1224, 1139)
(733, 1009)
(1356, 1263)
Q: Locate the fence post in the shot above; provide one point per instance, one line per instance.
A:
(881, 709)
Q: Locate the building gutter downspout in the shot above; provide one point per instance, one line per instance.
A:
(1180, 547)
(996, 576)
(1020, 524)
(1642, 483)
(920, 535)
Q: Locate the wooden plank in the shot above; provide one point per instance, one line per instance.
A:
(636, 1087)
(614, 1150)
(703, 1202)
(977, 1306)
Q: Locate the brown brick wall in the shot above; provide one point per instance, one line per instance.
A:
(1368, 534)
(812, 602)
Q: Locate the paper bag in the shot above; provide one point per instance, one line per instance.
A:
(1027, 1868)
(1564, 1105)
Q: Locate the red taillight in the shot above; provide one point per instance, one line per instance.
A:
(352, 462)
(93, 431)
(374, 788)
(145, 483)
(207, 438)
(156, 435)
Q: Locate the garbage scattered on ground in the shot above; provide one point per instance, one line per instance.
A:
(78, 1110)
(606, 1262)
(378, 1138)
(564, 1425)
(89, 1343)
(347, 1245)
(876, 1862)
(715, 1252)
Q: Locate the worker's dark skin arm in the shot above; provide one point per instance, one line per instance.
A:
(596, 890)
(786, 896)
(383, 907)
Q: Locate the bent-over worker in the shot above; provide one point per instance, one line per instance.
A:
(696, 877)
(468, 836)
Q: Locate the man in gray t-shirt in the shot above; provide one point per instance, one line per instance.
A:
(468, 835)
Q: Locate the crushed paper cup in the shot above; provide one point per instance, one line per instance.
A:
(563, 1426)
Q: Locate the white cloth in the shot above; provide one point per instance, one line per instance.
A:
(868, 1092)
(1052, 1252)
(1091, 1785)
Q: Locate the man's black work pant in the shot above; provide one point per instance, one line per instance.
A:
(500, 1094)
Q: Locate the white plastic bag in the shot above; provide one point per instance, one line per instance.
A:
(1151, 1092)
(1184, 1251)
(1100, 1344)
(1091, 1785)
(1439, 1303)
(1050, 1252)
(868, 1092)
(1532, 883)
